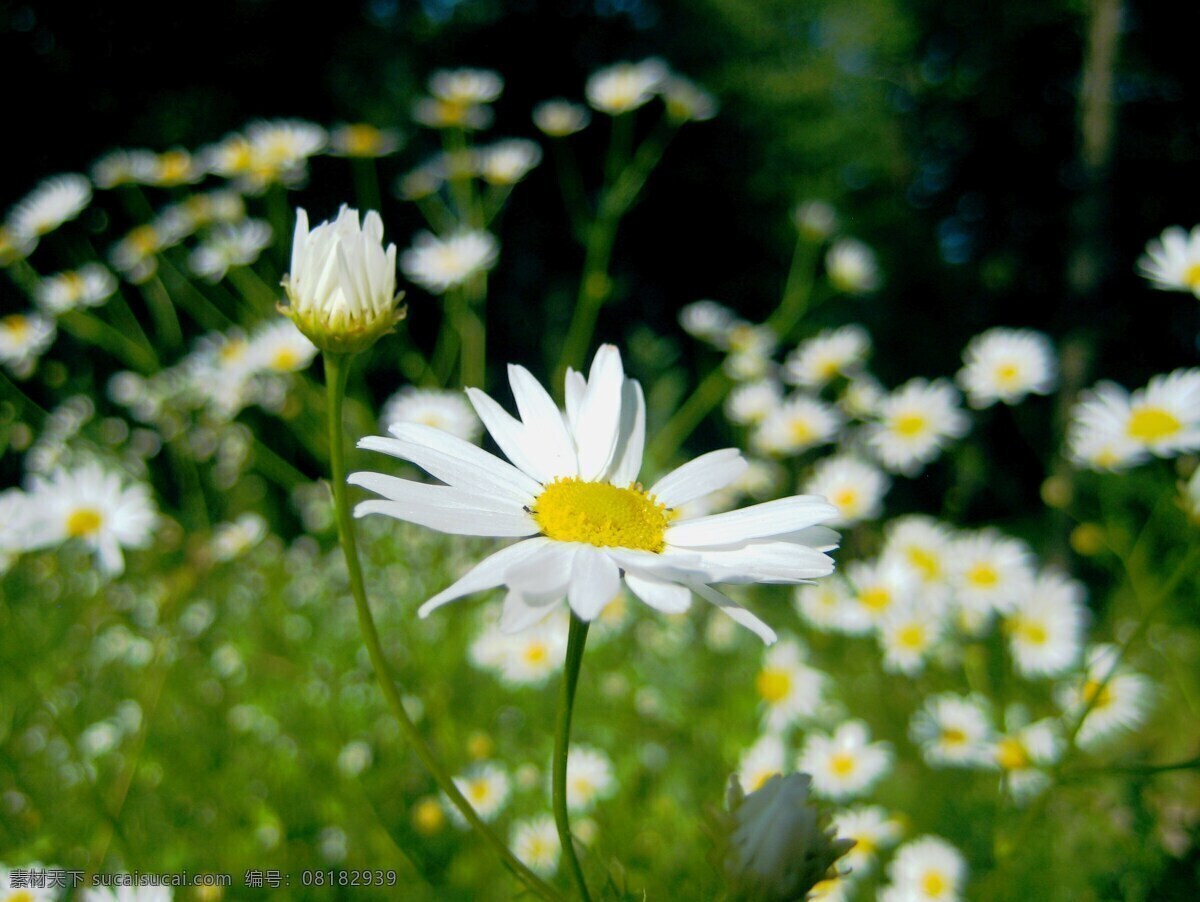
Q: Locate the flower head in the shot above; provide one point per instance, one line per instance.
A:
(571, 493)
(23, 338)
(1172, 261)
(442, 409)
(56, 200)
(852, 267)
(559, 118)
(846, 764)
(342, 283)
(927, 869)
(915, 422)
(88, 286)
(1007, 365)
(623, 87)
(439, 264)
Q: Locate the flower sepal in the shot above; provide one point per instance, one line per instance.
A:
(330, 334)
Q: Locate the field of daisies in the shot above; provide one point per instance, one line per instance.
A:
(308, 587)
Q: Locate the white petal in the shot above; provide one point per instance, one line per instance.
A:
(708, 473)
(543, 422)
(454, 461)
(771, 518)
(395, 489)
(631, 442)
(670, 598)
(736, 611)
(517, 443)
(595, 581)
(454, 520)
(765, 562)
(598, 424)
(521, 613)
(547, 573)
(574, 388)
(487, 574)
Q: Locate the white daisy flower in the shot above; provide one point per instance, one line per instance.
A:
(1024, 753)
(134, 255)
(574, 491)
(749, 339)
(24, 337)
(914, 423)
(1117, 699)
(878, 587)
(624, 87)
(16, 885)
(99, 508)
(760, 762)
(219, 370)
(119, 167)
(230, 245)
(800, 423)
(923, 546)
(590, 778)
(280, 148)
(527, 658)
(1172, 261)
(708, 321)
(816, 220)
(434, 113)
(851, 267)
(790, 689)
(279, 347)
(872, 830)
(507, 162)
(1045, 628)
(838, 888)
(954, 731)
(1007, 365)
(232, 540)
(442, 409)
(89, 286)
(168, 170)
(1098, 436)
(990, 573)
(14, 247)
(862, 396)
(54, 201)
(1164, 417)
(907, 634)
(559, 118)
(741, 366)
(341, 285)
(686, 101)
(829, 605)
(423, 181)
(845, 765)
(927, 869)
(363, 140)
(439, 264)
(831, 353)
(466, 86)
(855, 487)
(536, 844)
(486, 786)
(751, 402)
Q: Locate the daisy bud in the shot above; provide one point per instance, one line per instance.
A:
(780, 843)
(342, 283)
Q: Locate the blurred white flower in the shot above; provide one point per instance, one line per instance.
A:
(846, 764)
(363, 140)
(990, 573)
(440, 408)
(763, 760)
(466, 86)
(1172, 261)
(954, 731)
(686, 101)
(1117, 699)
(559, 118)
(487, 787)
(1045, 627)
(751, 402)
(54, 201)
(590, 778)
(851, 267)
(800, 423)
(1098, 436)
(342, 283)
(279, 347)
(790, 690)
(1007, 365)
(828, 605)
(507, 162)
(927, 869)
(816, 220)
(527, 658)
(831, 353)
(907, 633)
(872, 830)
(914, 423)
(623, 87)
(878, 587)
(708, 321)
(89, 286)
(24, 337)
(1024, 752)
(535, 843)
(439, 264)
(230, 245)
(855, 487)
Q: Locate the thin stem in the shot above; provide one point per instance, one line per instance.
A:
(576, 637)
(336, 370)
(92, 330)
(366, 182)
(708, 394)
(797, 290)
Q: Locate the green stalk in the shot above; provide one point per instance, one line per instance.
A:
(336, 370)
(708, 394)
(576, 638)
(89, 328)
(366, 183)
(797, 290)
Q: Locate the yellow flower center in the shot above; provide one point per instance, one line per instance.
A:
(285, 360)
(232, 350)
(583, 787)
(842, 764)
(933, 883)
(83, 521)
(909, 425)
(876, 598)
(845, 499)
(801, 431)
(983, 575)
(1191, 276)
(570, 510)
(926, 562)
(480, 746)
(428, 816)
(1007, 373)
(773, 684)
(362, 140)
(20, 895)
(829, 368)
(911, 637)
(535, 653)
(174, 167)
(74, 284)
(1150, 424)
(480, 791)
(1097, 695)
(143, 240)
(757, 780)
(16, 325)
(953, 736)
(1011, 755)
(1031, 631)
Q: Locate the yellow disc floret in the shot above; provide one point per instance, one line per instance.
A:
(570, 510)
(1150, 424)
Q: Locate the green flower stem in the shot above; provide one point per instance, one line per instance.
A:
(191, 299)
(336, 370)
(797, 290)
(576, 638)
(570, 185)
(279, 216)
(436, 213)
(670, 438)
(253, 291)
(366, 183)
(466, 209)
(95, 331)
(162, 311)
(24, 403)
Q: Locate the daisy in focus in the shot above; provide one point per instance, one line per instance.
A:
(1007, 365)
(571, 493)
(1172, 261)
